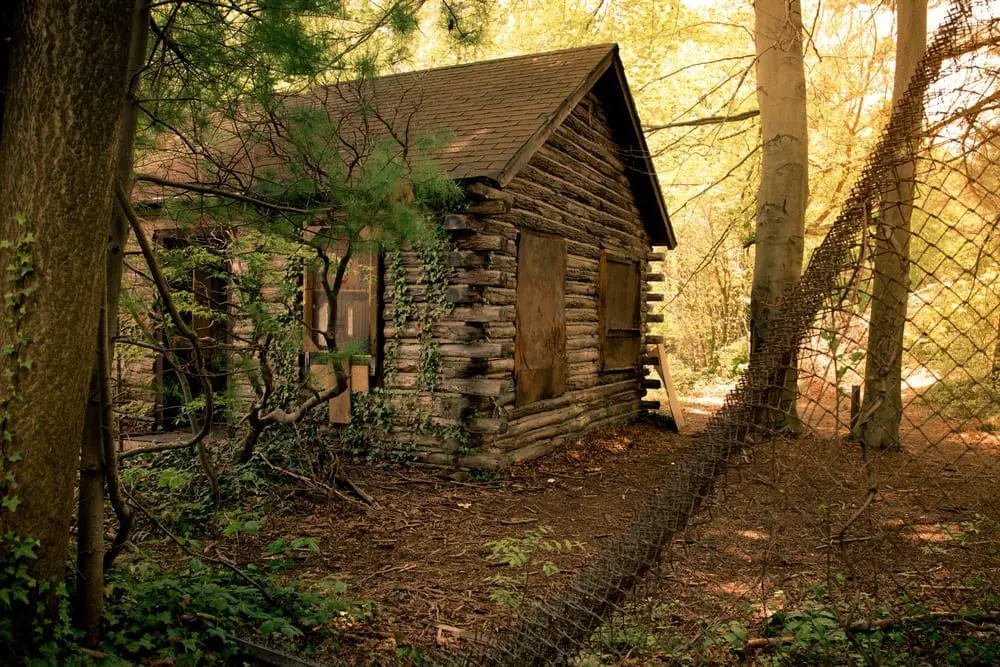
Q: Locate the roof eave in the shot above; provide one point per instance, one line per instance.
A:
(660, 231)
(667, 238)
(541, 135)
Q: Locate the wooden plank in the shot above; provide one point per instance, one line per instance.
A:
(461, 223)
(675, 404)
(340, 407)
(359, 377)
(602, 308)
(483, 191)
(620, 308)
(490, 207)
(540, 364)
(308, 317)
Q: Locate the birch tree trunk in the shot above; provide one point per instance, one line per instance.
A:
(882, 408)
(784, 187)
(57, 153)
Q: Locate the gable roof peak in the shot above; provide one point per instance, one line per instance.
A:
(499, 112)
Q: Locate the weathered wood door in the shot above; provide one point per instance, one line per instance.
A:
(540, 342)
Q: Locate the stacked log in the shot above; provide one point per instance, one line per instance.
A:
(576, 187)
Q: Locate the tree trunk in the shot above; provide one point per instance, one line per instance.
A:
(6, 29)
(89, 601)
(784, 188)
(56, 168)
(996, 360)
(882, 408)
(93, 467)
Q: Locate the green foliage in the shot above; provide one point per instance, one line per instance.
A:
(369, 435)
(21, 593)
(173, 488)
(819, 638)
(192, 615)
(526, 555)
(378, 415)
(619, 638)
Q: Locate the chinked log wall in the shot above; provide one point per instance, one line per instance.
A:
(575, 187)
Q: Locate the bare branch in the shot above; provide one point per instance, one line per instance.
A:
(204, 189)
(708, 120)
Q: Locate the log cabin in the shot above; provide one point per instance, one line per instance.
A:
(548, 274)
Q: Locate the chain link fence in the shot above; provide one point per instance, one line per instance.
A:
(868, 503)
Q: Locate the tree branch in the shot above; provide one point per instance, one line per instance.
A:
(708, 120)
(164, 291)
(246, 199)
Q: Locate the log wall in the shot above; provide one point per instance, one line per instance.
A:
(575, 186)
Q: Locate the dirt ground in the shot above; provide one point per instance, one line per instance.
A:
(422, 556)
(794, 523)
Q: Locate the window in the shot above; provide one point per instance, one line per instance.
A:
(356, 305)
(540, 365)
(202, 296)
(619, 313)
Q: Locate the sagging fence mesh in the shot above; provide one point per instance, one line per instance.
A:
(875, 491)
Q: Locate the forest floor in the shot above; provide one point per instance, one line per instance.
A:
(422, 556)
(767, 551)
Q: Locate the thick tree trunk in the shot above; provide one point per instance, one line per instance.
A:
(784, 187)
(882, 408)
(6, 28)
(93, 466)
(56, 168)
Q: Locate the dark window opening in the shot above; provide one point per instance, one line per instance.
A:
(205, 290)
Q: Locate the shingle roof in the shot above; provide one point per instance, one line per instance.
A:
(494, 115)
(489, 109)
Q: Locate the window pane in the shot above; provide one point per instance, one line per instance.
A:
(353, 304)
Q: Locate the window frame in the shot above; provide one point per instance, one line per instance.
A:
(310, 337)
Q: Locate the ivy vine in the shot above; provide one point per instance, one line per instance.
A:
(374, 415)
(18, 587)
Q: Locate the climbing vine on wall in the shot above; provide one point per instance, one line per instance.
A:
(375, 415)
(434, 276)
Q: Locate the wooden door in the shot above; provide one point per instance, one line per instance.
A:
(540, 344)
